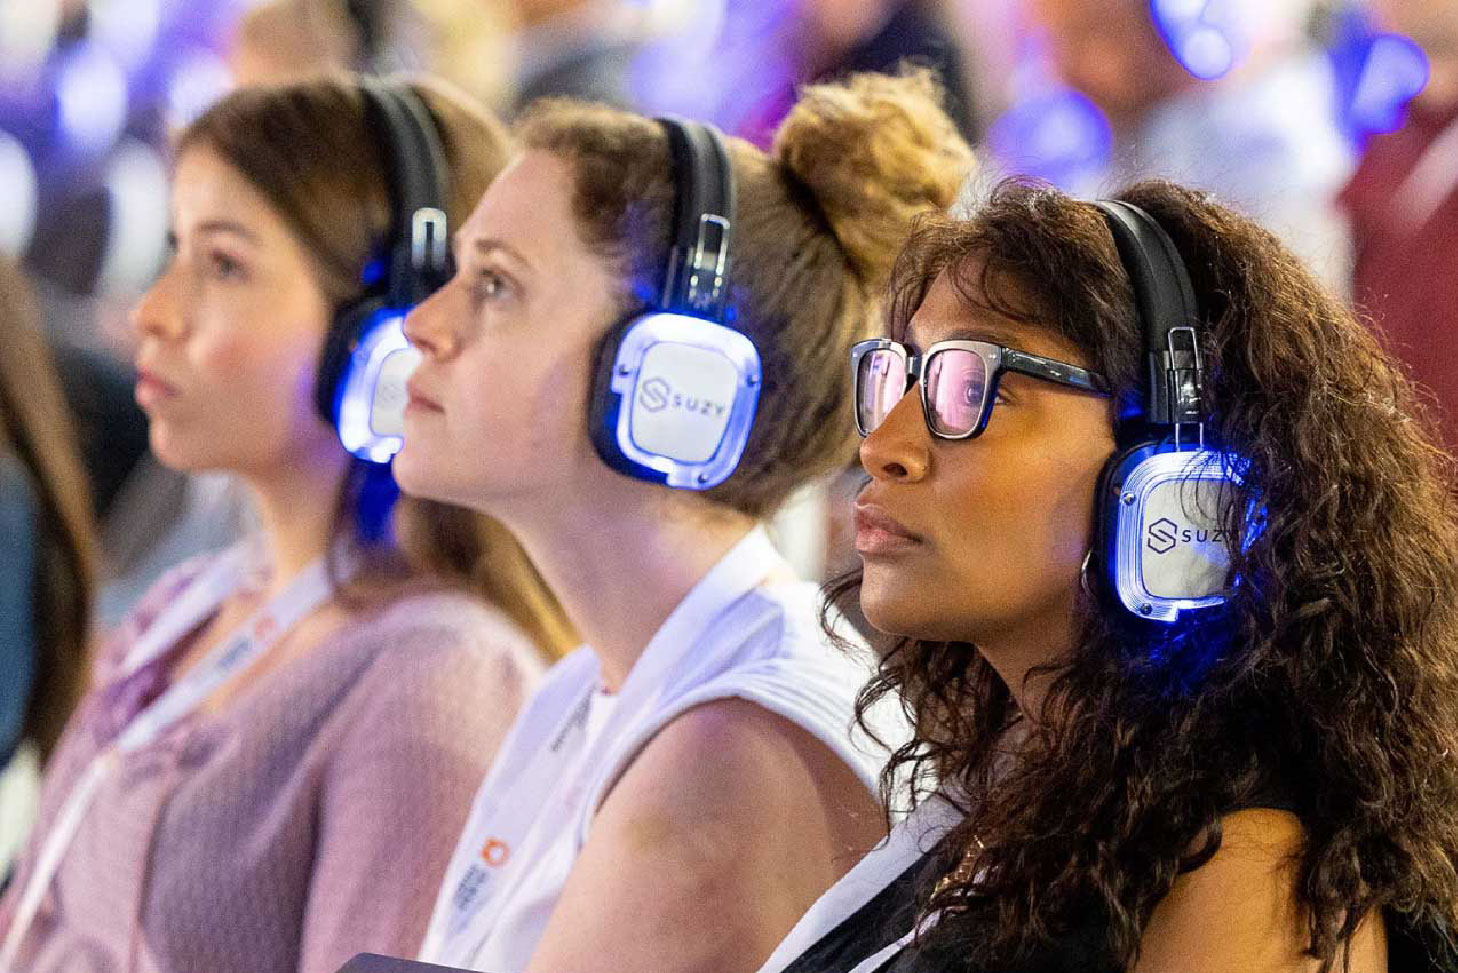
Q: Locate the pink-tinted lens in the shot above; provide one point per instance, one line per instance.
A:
(956, 388)
(880, 384)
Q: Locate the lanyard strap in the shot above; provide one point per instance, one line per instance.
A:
(912, 838)
(513, 822)
(232, 655)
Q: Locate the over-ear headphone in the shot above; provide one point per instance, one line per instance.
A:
(675, 391)
(1161, 545)
(366, 359)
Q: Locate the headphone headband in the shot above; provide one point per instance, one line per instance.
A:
(419, 248)
(704, 211)
(676, 388)
(1162, 540)
(1168, 314)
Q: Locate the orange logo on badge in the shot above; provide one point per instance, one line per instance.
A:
(495, 852)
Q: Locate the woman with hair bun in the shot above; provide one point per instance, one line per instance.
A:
(685, 784)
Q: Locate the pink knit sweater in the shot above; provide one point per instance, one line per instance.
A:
(307, 821)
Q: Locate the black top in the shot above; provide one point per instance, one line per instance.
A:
(890, 915)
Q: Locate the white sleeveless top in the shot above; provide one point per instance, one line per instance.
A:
(733, 636)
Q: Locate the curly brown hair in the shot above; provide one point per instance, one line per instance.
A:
(1330, 678)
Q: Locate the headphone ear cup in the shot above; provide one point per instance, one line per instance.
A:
(1162, 546)
(674, 399)
(334, 358)
(605, 403)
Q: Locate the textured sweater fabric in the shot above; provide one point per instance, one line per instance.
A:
(307, 820)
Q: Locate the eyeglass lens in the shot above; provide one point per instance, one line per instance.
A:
(956, 389)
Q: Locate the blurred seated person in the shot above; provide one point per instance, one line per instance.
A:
(1403, 207)
(149, 518)
(1263, 137)
(46, 562)
(829, 40)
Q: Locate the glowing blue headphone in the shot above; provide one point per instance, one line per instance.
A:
(676, 388)
(360, 388)
(1161, 542)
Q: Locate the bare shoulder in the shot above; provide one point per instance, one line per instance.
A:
(729, 823)
(731, 759)
(1239, 912)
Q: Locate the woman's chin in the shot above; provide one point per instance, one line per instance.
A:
(891, 612)
(408, 474)
(416, 476)
(177, 453)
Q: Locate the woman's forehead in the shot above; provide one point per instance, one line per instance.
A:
(955, 308)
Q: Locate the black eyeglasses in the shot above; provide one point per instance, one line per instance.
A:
(958, 381)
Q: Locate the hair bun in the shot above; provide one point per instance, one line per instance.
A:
(874, 151)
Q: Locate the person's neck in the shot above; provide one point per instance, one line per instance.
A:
(620, 569)
(1018, 652)
(296, 506)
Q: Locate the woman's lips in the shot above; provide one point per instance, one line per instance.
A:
(418, 401)
(878, 533)
(150, 390)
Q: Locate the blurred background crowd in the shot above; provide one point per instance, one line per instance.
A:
(1334, 122)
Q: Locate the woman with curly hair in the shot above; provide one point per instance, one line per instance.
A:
(1268, 781)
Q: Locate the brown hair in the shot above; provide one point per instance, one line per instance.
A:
(35, 427)
(819, 223)
(1330, 681)
(309, 149)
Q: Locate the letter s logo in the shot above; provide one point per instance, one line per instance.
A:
(1162, 538)
(654, 395)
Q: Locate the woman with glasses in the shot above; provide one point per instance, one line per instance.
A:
(1172, 575)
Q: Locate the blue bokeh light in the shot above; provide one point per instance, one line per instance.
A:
(1199, 34)
(1377, 75)
(1059, 135)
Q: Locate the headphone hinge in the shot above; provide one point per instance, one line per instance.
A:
(1183, 379)
(429, 240)
(708, 259)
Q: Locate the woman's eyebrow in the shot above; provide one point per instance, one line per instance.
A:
(991, 335)
(231, 227)
(484, 246)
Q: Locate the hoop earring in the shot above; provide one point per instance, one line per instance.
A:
(1083, 581)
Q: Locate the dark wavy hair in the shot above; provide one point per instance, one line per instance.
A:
(1330, 678)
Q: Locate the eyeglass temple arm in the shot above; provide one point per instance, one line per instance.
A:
(1054, 371)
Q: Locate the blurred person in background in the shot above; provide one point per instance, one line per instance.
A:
(581, 49)
(1261, 134)
(462, 41)
(46, 560)
(827, 40)
(1403, 206)
(282, 739)
(92, 242)
(506, 54)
